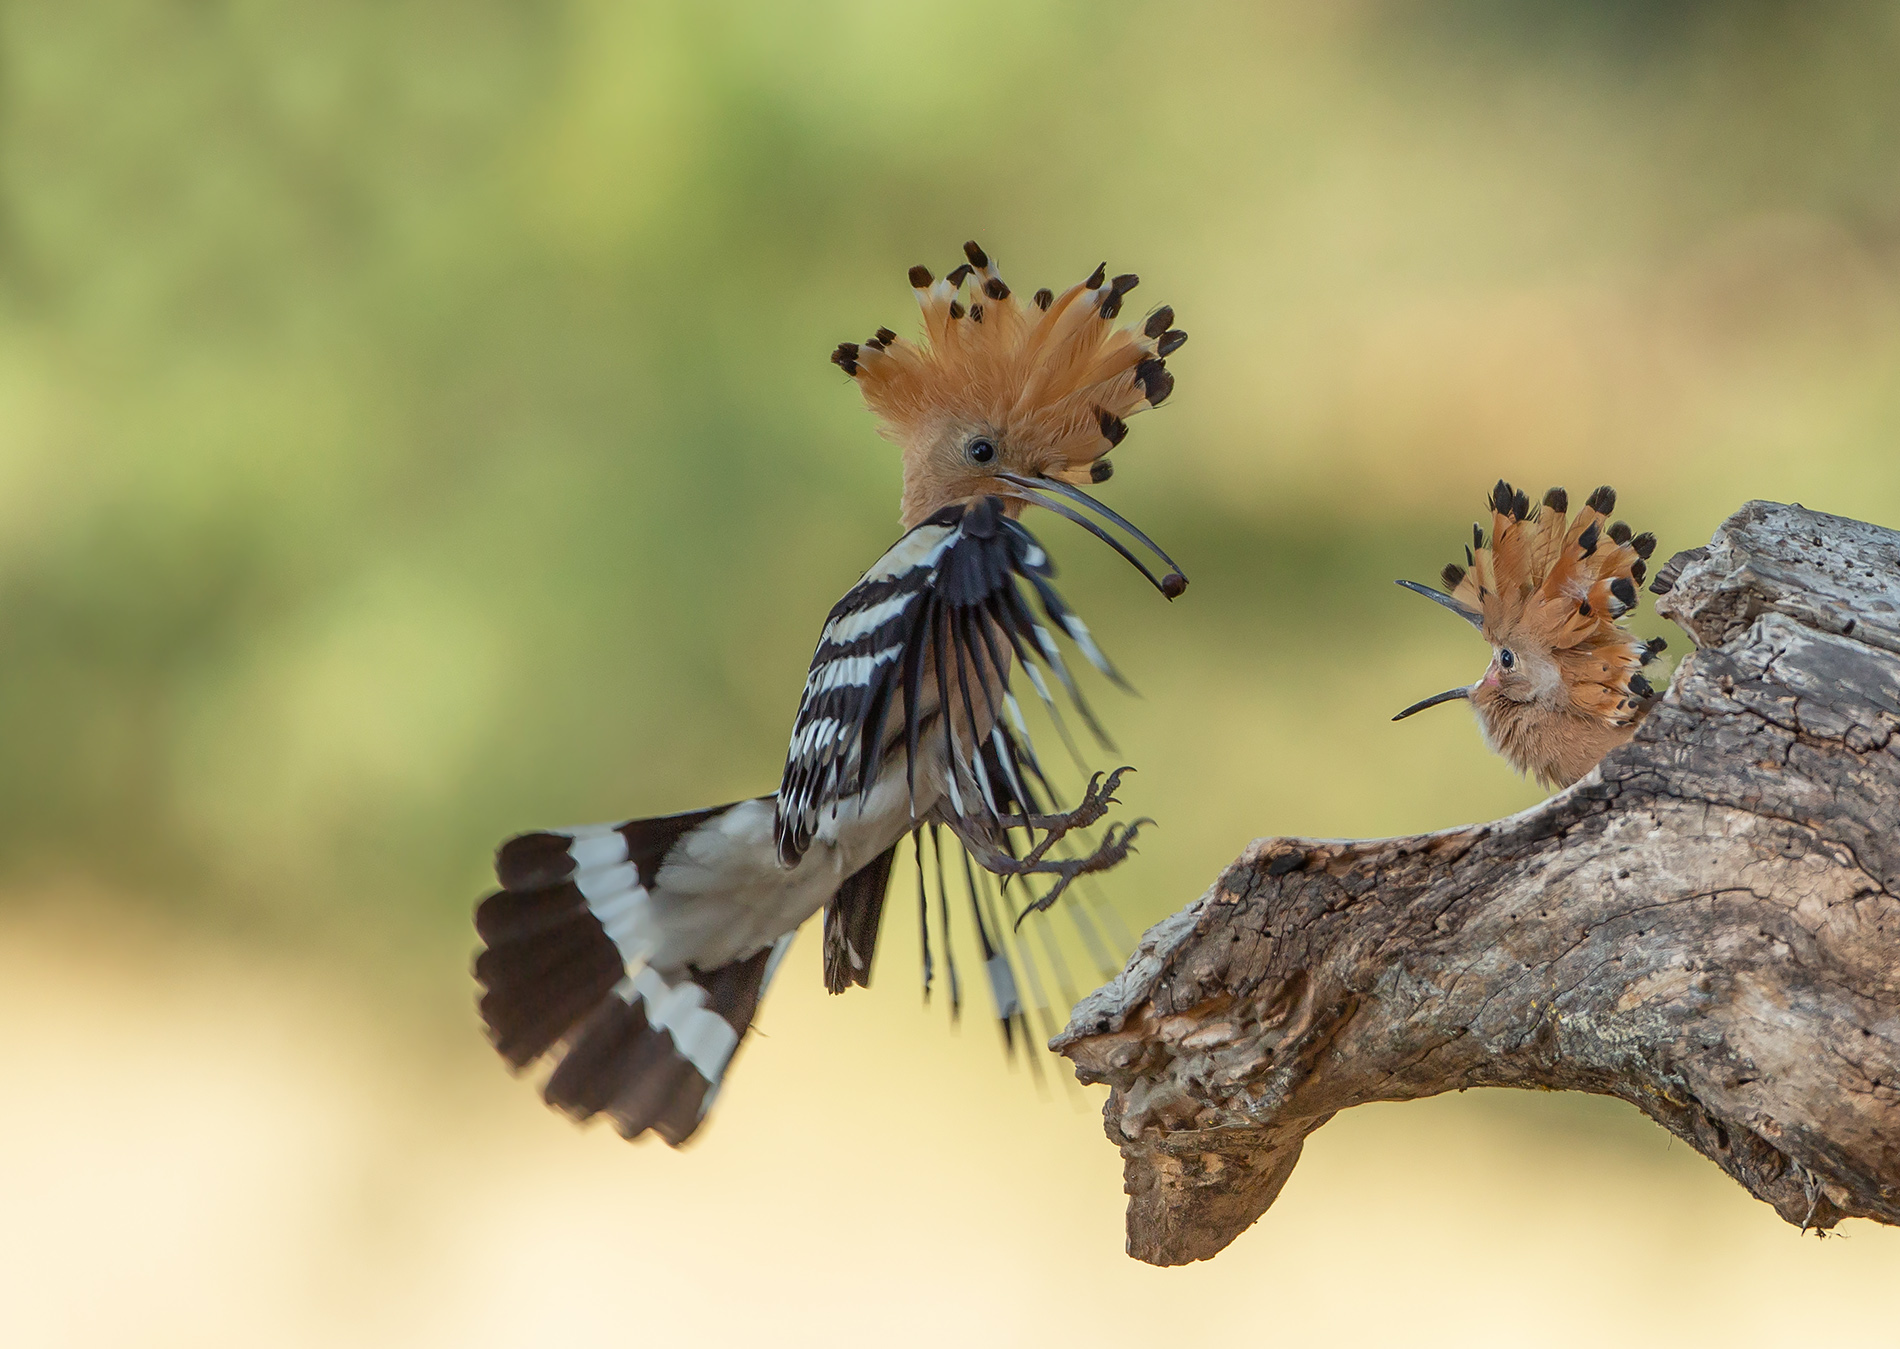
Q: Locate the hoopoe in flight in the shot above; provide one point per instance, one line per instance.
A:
(1564, 686)
(636, 953)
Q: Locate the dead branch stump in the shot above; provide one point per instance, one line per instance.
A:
(1706, 926)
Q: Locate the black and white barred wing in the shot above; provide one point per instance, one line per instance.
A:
(931, 631)
(855, 673)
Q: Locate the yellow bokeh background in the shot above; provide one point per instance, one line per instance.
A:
(415, 427)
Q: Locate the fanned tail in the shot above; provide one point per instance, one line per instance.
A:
(620, 952)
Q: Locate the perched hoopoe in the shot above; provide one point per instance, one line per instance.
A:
(641, 949)
(1564, 685)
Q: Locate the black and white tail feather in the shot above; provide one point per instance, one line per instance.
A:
(635, 955)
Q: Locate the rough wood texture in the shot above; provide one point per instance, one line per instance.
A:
(1706, 926)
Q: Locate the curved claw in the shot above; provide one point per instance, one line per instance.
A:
(1097, 797)
(985, 839)
(1112, 852)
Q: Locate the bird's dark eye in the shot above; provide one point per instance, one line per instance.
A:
(1505, 658)
(981, 451)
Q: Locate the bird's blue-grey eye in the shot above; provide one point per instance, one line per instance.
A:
(1505, 658)
(981, 451)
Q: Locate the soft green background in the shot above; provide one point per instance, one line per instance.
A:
(415, 425)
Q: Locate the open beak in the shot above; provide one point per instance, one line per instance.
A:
(1447, 696)
(1471, 616)
(1038, 490)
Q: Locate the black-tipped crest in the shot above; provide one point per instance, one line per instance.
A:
(846, 357)
(1547, 593)
(1119, 287)
(1101, 471)
(1160, 321)
(1644, 544)
(1507, 501)
(1029, 377)
(1152, 374)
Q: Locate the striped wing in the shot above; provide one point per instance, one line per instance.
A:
(933, 625)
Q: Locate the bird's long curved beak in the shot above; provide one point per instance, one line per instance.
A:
(1039, 490)
(1471, 616)
(1447, 696)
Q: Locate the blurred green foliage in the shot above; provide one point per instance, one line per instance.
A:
(415, 422)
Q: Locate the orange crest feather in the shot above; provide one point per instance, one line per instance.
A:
(1057, 373)
(1557, 583)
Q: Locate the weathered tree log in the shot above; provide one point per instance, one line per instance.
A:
(1706, 926)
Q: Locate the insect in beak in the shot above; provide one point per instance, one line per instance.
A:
(1447, 696)
(1035, 490)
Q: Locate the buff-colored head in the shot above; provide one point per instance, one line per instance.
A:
(1011, 399)
(1547, 591)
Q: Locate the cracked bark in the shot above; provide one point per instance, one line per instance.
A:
(1706, 926)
